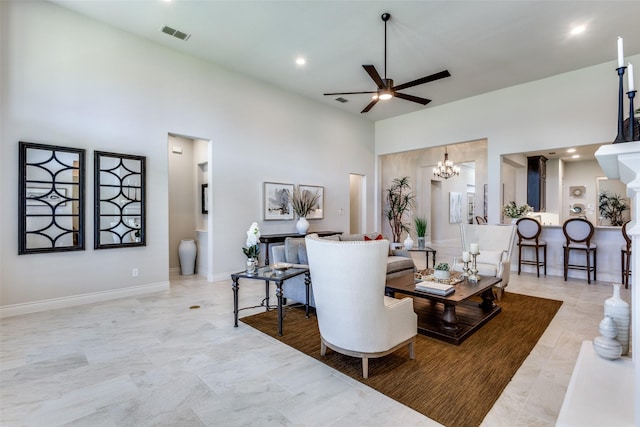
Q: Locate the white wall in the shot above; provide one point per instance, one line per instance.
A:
(581, 174)
(90, 86)
(576, 108)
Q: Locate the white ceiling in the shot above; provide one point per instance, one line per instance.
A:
(486, 45)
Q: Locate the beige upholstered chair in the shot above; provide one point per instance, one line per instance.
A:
(496, 243)
(354, 316)
(529, 231)
(625, 256)
(578, 233)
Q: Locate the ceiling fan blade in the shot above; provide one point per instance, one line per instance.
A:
(371, 70)
(427, 79)
(349, 93)
(370, 106)
(417, 99)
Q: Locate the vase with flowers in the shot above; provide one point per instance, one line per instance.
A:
(304, 202)
(252, 248)
(514, 211)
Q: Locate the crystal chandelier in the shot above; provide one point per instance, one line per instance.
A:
(447, 169)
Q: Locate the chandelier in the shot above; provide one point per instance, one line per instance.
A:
(447, 169)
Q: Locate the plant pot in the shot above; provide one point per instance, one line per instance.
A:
(421, 243)
(441, 274)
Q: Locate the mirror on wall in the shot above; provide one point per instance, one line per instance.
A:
(51, 188)
(119, 200)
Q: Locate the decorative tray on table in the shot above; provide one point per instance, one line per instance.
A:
(427, 275)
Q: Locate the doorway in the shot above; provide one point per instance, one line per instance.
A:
(357, 204)
(190, 188)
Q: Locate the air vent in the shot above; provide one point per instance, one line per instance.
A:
(341, 99)
(175, 33)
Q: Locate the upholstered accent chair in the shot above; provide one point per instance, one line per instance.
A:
(354, 315)
(496, 244)
(529, 231)
(578, 233)
(625, 256)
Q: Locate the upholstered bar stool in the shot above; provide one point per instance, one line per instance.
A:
(625, 256)
(529, 231)
(578, 233)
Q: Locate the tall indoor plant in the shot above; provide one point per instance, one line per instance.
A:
(400, 200)
(612, 207)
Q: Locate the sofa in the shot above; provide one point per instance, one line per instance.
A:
(400, 265)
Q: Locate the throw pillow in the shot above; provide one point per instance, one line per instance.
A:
(489, 257)
(367, 238)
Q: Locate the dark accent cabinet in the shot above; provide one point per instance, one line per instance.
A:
(537, 183)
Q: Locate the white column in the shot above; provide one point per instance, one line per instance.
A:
(622, 161)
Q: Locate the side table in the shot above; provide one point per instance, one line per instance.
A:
(427, 250)
(269, 275)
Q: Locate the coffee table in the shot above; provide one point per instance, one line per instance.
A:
(455, 317)
(268, 274)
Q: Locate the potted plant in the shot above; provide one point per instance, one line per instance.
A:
(303, 202)
(612, 207)
(441, 271)
(421, 230)
(399, 200)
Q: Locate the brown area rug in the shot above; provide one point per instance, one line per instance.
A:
(454, 385)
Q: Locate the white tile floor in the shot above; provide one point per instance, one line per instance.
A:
(152, 361)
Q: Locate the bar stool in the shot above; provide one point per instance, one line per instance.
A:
(529, 231)
(625, 256)
(578, 233)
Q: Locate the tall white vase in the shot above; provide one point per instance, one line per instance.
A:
(187, 252)
(618, 309)
(302, 225)
(408, 242)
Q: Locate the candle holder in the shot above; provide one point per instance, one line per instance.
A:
(620, 136)
(632, 120)
(473, 277)
(465, 269)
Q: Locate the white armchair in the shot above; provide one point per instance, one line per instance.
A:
(354, 316)
(496, 244)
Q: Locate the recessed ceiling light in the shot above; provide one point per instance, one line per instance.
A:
(578, 29)
(571, 150)
(575, 156)
(300, 60)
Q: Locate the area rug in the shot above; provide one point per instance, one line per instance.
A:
(454, 385)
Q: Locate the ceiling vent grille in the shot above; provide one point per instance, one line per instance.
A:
(175, 33)
(341, 99)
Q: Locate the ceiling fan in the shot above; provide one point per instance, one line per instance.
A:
(386, 89)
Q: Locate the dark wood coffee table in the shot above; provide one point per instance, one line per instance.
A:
(452, 318)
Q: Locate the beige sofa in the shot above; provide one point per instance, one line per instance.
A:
(399, 263)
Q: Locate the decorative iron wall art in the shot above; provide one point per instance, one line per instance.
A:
(120, 219)
(51, 198)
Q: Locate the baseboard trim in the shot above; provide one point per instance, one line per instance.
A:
(64, 302)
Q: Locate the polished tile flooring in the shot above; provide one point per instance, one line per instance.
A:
(153, 361)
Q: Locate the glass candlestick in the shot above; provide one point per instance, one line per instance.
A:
(465, 269)
(473, 277)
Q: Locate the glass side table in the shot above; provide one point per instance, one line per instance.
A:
(268, 274)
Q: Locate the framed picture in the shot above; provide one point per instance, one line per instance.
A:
(455, 207)
(205, 198)
(277, 201)
(577, 191)
(318, 210)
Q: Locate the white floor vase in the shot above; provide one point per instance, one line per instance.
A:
(618, 309)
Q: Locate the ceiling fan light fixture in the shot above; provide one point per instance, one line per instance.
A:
(384, 95)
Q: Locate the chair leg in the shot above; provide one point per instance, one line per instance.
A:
(519, 259)
(323, 347)
(595, 265)
(622, 266)
(365, 367)
(538, 260)
(566, 262)
(544, 248)
(627, 271)
(412, 348)
(589, 267)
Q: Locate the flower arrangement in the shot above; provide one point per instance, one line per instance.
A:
(513, 211)
(304, 202)
(252, 246)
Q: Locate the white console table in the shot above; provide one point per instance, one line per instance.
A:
(600, 392)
